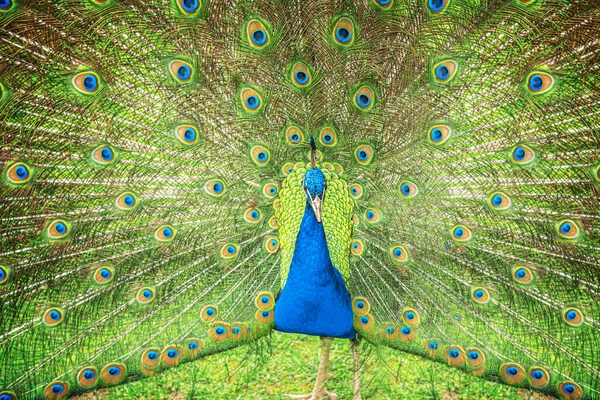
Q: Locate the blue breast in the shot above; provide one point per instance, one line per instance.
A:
(314, 300)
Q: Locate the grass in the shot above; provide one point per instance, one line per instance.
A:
(288, 364)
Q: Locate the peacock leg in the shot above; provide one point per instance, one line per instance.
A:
(319, 392)
(355, 347)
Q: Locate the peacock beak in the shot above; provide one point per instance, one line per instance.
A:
(316, 204)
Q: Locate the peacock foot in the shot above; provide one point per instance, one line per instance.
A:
(320, 395)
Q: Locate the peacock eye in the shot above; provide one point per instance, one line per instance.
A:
(363, 154)
(252, 215)
(57, 229)
(411, 316)
(171, 355)
(257, 34)
(215, 187)
(164, 233)
(372, 215)
(18, 173)
(480, 295)
(126, 201)
(475, 357)
(145, 295)
(103, 155)
(56, 390)
(522, 275)
(356, 191)
(513, 373)
(87, 377)
(399, 254)
(113, 373)
(251, 100)
(53, 316)
(500, 201)
(301, 75)
(568, 229)
(229, 250)
(357, 247)
(260, 155)
(343, 32)
(437, 6)
(444, 71)
(86, 82)
(363, 98)
(572, 316)
(270, 190)
(5, 5)
(186, 134)
(328, 136)
(188, 7)
(540, 82)
(383, 3)
(461, 233)
(570, 390)
(271, 244)
(538, 376)
(408, 189)
(181, 71)
(103, 275)
(439, 134)
(209, 313)
(522, 154)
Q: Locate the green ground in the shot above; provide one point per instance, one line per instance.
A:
(290, 366)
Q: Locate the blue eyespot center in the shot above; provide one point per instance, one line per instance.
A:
(220, 330)
(55, 315)
(571, 315)
(537, 374)
(512, 371)
(519, 153)
(231, 249)
(114, 371)
(370, 214)
(360, 304)
(22, 172)
(254, 214)
(167, 232)
(405, 188)
(433, 345)
(473, 355)
(390, 330)
(436, 135)
(262, 156)
(397, 252)
(362, 155)
(90, 83)
(327, 138)
(569, 389)
(184, 72)
(295, 137)
(436, 5)
(106, 154)
(252, 102)
(210, 311)
(105, 273)
(497, 200)
(364, 320)
(128, 200)
(363, 100)
(442, 72)
(410, 315)
(189, 135)
(60, 228)
(384, 2)
(89, 374)
(5, 5)
(521, 273)
(405, 330)
(301, 77)
(453, 353)
(566, 227)
(478, 293)
(343, 35)
(192, 345)
(459, 232)
(57, 389)
(217, 187)
(265, 299)
(266, 314)
(152, 355)
(272, 190)
(172, 353)
(2, 274)
(189, 5)
(147, 293)
(536, 83)
(259, 37)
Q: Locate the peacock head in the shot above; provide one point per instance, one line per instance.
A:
(314, 184)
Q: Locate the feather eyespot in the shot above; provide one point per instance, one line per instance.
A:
(356, 191)
(480, 295)
(7, 395)
(357, 247)
(454, 355)
(229, 250)
(187, 134)
(265, 301)
(522, 154)
(328, 136)
(215, 187)
(56, 390)
(461, 233)
(181, 71)
(58, 229)
(192, 347)
(343, 32)
(294, 135)
(444, 71)
(220, 331)
(499, 201)
(540, 82)
(87, 377)
(411, 316)
(145, 295)
(408, 190)
(5, 5)
(513, 373)
(364, 322)
(384, 3)
(171, 355)
(4, 274)
(432, 346)
(18, 173)
(112, 373)
(570, 390)
(355, 220)
(364, 98)
(439, 134)
(270, 190)
(257, 34)
(568, 229)
(260, 155)
(271, 244)
(273, 222)
(538, 377)
(103, 275)
(522, 275)
(399, 254)
(209, 313)
(287, 169)
(301, 75)
(361, 306)
(572, 316)
(104, 154)
(126, 201)
(437, 6)
(265, 316)
(372, 215)
(363, 154)
(251, 100)
(189, 7)
(165, 233)
(406, 334)
(53, 316)
(475, 357)
(252, 215)
(86, 82)
(151, 357)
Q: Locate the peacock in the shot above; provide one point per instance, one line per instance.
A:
(183, 177)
